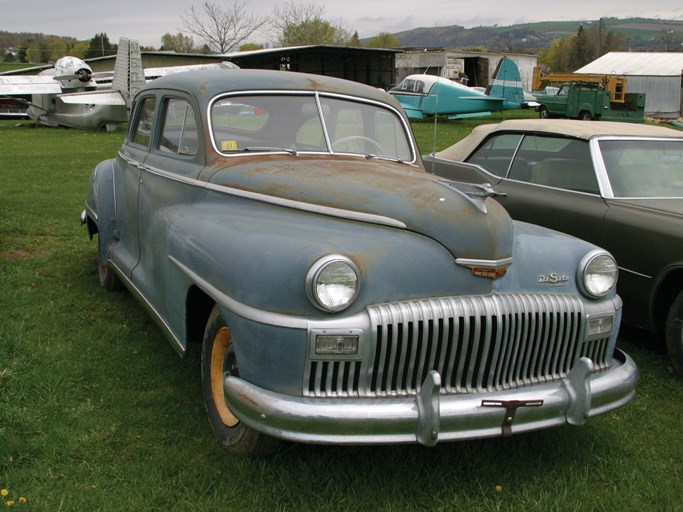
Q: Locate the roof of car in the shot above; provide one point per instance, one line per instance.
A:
(566, 127)
(206, 84)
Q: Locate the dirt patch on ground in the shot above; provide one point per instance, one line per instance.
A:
(16, 254)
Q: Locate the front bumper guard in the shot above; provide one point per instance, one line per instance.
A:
(431, 416)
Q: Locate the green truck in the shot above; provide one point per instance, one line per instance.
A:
(591, 100)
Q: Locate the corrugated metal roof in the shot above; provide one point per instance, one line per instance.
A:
(636, 64)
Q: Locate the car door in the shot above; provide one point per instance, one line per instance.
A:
(551, 182)
(126, 249)
(175, 160)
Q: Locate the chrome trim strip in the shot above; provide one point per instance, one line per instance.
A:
(279, 201)
(239, 308)
(128, 160)
(309, 207)
(467, 262)
(91, 213)
(634, 273)
(326, 133)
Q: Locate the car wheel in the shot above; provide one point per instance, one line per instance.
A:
(585, 115)
(108, 279)
(218, 362)
(543, 112)
(674, 333)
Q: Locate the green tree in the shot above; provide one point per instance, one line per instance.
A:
(384, 40)
(79, 49)
(355, 40)
(248, 47)
(99, 46)
(304, 24)
(556, 58)
(56, 48)
(580, 54)
(34, 53)
(316, 31)
(179, 43)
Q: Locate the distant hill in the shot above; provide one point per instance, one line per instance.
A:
(15, 39)
(641, 34)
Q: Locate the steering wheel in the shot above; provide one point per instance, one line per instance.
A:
(358, 138)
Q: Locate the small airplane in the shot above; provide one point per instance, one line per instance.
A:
(70, 94)
(428, 95)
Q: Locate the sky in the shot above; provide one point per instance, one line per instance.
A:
(148, 20)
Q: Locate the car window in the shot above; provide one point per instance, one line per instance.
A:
(496, 153)
(293, 122)
(142, 132)
(555, 162)
(644, 168)
(179, 128)
(247, 123)
(364, 129)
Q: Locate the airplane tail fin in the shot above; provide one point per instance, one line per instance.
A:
(507, 83)
(129, 76)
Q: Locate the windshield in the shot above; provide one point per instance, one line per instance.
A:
(297, 123)
(644, 168)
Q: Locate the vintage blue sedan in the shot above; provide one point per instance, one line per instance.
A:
(341, 293)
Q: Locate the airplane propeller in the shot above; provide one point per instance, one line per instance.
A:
(82, 75)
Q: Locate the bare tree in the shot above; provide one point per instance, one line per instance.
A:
(222, 29)
(304, 23)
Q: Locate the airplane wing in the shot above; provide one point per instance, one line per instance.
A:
(412, 112)
(109, 97)
(13, 85)
(152, 73)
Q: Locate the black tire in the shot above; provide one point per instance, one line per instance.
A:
(584, 115)
(674, 333)
(108, 279)
(219, 361)
(543, 112)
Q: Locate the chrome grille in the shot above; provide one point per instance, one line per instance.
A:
(480, 343)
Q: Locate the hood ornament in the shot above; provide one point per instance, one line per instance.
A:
(477, 193)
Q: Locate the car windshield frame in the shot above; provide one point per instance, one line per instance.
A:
(641, 177)
(315, 109)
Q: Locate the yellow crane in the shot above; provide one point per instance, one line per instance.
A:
(616, 85)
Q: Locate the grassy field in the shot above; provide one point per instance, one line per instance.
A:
(10, 66)
(97, 412)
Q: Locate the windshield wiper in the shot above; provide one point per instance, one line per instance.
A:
(368, 156)
(291, 151)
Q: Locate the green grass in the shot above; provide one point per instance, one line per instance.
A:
(10, 66)
(97, 412)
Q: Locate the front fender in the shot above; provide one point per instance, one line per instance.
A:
(259, 256)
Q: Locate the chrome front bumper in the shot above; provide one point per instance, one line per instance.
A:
(431, 416)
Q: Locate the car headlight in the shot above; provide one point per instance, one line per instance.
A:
(332, 283)
(597, 274)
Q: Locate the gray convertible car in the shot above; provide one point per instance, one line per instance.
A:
(618, 185)
(340, 293)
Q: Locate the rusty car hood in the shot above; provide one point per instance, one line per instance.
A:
(469, 227)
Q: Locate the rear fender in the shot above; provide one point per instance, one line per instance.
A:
(100, 203)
